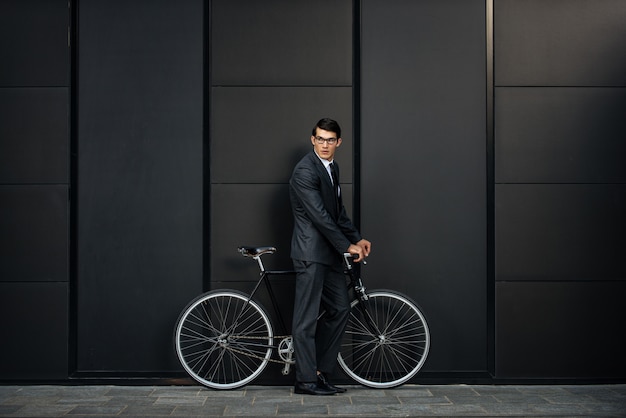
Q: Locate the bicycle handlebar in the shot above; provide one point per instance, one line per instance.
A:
(350, 257)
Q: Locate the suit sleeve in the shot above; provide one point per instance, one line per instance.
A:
(348, 227)
(306, 184)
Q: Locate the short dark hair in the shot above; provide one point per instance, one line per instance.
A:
(329, 125)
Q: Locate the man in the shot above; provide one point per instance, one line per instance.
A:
(322, 233)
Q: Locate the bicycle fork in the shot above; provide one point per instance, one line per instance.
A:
(361, 294)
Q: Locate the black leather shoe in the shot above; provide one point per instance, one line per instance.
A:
(323, 382)
(312, 389)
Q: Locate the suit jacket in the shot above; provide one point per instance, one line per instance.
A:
(322, 231)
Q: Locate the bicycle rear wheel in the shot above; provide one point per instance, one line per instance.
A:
(223, 340)
(386, 340)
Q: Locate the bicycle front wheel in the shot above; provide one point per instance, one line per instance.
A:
(386, 340)
(223, 340)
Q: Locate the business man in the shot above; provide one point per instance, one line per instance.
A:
(322, 233)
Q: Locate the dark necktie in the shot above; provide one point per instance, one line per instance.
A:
(333, 173)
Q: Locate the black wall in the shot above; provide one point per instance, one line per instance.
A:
(276, 68)
(560, 193)
(483, 149)
(34, 189)
(423, 166)
(139, 178)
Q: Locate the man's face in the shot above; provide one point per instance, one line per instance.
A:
(324, 148)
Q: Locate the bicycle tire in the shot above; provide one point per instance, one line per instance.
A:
(222, 340)
(395, 351)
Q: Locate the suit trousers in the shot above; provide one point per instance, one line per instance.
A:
(317, 342)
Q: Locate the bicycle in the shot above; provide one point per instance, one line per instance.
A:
(224, 338)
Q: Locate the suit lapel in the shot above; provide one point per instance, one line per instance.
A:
(329, 190)
(321, 170)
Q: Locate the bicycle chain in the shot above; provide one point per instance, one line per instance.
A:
(234, 350)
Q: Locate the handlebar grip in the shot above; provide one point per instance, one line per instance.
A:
(348, 256)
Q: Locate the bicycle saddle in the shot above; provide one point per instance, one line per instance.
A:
(256, 251)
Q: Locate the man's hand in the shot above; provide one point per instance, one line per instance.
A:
(366, 245)
(361, 249)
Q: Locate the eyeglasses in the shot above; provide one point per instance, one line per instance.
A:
(320, 140)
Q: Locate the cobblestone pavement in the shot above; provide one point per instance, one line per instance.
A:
(264, 401)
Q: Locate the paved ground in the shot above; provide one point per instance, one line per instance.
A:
(263, 401)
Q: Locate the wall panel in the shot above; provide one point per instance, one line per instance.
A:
(34, 233)
(259, 133)
(560, 42)
(560, 196)
(560, 330)
(277, 42)
(560, 232)
(423, 166)
(34, 129)
(34, 189)
(140, 180)
(34, 43)
(34, 327)
(560, 135)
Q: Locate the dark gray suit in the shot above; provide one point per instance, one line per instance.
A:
(322, 233)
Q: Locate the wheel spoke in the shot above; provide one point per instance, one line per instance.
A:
(223, 340)
(395, 352)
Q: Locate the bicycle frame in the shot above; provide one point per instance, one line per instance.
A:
(265, 277)
(354, 283)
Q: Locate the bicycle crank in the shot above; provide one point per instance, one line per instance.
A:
(285, 351)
